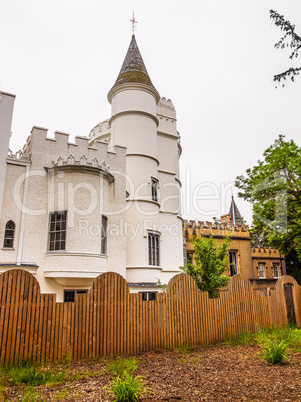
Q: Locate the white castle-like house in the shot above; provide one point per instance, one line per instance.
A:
(108, 202)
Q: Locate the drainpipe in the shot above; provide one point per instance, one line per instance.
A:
(23, 216)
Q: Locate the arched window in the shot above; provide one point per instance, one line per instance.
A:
(9, 234)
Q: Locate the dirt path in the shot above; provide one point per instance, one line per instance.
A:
(216, 373)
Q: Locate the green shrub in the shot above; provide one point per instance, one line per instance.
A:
(275, 352)
(128, 388)
(120, 366)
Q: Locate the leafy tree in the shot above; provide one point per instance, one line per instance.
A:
(210, 262)
(274, 188)
(289, 39)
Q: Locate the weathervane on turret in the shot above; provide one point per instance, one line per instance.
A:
(133, 21)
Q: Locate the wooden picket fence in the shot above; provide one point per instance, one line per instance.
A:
(111, 321)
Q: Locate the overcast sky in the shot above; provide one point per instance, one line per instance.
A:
(214, 59)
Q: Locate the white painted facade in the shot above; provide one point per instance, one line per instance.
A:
(110, 176)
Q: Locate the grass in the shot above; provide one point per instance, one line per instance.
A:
(63, 393)
(275, 352)
(128, 388)
(31, 375)
(66, 359)
(124, 386)
(244, 338)
(186, 348)
(195, 360)
(289, 334)
(120, 366)
(274, 341)
(30, 395)
(68, 392)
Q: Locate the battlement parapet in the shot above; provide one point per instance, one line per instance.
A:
(166, 109)
(192, 228)
(101, 129)
(18, 156)
(265, 250)
(58, 151)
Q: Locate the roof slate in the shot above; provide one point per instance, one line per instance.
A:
(133, 68)
(235, 216)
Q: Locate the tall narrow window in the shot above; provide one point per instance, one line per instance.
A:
(57, 231)
(104, 222)
(261, 270)
(9, 234)
(233, 263)
(154, 190)
(153, 249)
(276, 270)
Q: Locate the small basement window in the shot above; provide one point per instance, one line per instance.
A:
(69, 295)
(148, 296)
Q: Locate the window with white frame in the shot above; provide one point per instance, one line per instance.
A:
(153, 249)
(154, 184)
(57, 231)
(104, 225)
(261, 269)
(276, 270)
(233, 263)
(148, 296)
(9, 234)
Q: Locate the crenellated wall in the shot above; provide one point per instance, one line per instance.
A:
(88, 182)
(194, 228)
(265, 250)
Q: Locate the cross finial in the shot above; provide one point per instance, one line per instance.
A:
(133, 21)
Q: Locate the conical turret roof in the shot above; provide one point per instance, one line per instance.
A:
(133, 68)
(235, 216)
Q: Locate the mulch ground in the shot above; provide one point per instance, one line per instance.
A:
(215, 373)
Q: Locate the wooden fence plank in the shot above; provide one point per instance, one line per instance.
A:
(109, 320)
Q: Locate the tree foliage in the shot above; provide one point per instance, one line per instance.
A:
(289, 39)
(274, 188)
(210, 262)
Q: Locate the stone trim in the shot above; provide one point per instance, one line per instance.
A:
(141, 112)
